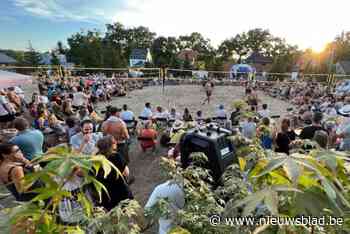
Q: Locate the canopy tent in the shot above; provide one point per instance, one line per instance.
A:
(239, 70)
(8, 79)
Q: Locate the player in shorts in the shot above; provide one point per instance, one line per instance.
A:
(208, 87)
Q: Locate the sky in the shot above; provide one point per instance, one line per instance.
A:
(306, 23)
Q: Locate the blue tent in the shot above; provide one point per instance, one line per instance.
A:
(240, 70)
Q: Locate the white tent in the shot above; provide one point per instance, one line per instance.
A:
(8, 79)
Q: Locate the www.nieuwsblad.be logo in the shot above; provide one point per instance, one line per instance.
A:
(216, 220)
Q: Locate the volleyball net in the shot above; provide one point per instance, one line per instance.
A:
(170, 74)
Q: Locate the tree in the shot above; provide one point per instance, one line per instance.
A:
(164, 51)
(86, 49)
(54, 59)
(32, 57)
(258, 40)
(236, 46)
(60, 48)
(127, 39)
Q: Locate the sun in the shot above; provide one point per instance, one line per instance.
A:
(318, 48)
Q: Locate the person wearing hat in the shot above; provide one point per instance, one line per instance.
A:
(345, 110)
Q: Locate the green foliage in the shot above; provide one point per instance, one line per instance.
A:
(265, 183)
(54, 59)
(40, 214)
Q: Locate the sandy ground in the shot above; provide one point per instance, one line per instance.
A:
(145, 166)
(190, 96)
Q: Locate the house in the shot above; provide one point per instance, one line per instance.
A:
(343, 67)
(188, 55)
(139, 57)
(260, 62)
(6, 60)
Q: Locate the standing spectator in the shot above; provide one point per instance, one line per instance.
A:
(85, 141)
(30, 141)
(116, 127)
(265, 134)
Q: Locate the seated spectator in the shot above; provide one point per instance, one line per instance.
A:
(56, 125)
(344, 133)
(221, 112)
(160, 113)
(199, 118)
(16, 102)
(147, 111)
(115, 184)
(249, 128)
(42, 120)
(72, 127)
(7, 113)
(264, 113)
(13, 167)
(187, 117)
(284, 138)
(67, 108)
(174, 115)
(321, 137)
(235, 115)
(30, 141)
(309, 131)
(147, 137)
(79, 98)
(127, 114)
(85, 141)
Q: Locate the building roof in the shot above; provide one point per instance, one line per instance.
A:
(5, 59)
(139, 54)
(345, 65)
(256, 57)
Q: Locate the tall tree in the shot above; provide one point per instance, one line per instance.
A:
(86, 49)
(32, 57)
(235, 47)
(258, 40)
